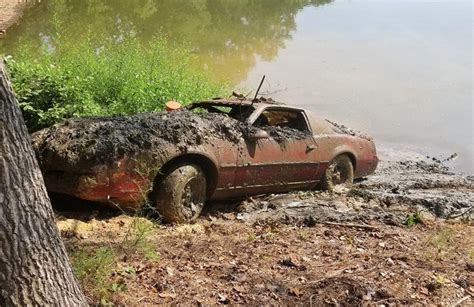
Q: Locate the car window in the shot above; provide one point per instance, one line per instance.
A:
(239, 112)
(282, 119)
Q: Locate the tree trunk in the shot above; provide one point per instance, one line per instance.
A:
(34, 266)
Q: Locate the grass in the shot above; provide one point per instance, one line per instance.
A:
(93, 268)
(105, 271)
(137, 239)
(108, 77)
(441, 245)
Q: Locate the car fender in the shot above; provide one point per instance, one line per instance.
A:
(204, 159)
(345, 149)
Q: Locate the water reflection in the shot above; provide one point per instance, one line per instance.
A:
(227, 36)
(400, 70)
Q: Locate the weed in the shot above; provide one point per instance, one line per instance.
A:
(349, 239)
(443, 243)
(93, 268)
(414, 219)
(94, 77)
(251, 237)
(440, 279)
(137, 239)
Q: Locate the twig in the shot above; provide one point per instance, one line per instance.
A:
(352, 225)
(462, 213)
(461, 300)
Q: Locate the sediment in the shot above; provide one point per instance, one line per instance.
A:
(10, 12)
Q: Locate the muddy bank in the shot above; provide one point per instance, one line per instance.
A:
(397, 190)
(86, 142)
(310, 248)
(10, 12)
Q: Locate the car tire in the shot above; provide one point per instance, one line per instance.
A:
(181, 195)
(340, 172)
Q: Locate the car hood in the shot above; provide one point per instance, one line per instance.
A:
(90, 141)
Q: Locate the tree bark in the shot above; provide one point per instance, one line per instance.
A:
(34, 266)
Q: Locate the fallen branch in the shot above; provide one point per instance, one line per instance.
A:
(461, 300)
(352, 225)
(462, 213)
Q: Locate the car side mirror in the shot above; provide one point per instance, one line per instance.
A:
(258, 134)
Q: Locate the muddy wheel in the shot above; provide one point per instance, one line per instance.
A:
(340, 172)
(181, 195)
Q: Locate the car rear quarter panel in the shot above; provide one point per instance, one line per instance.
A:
(359, 150)
(332, 144)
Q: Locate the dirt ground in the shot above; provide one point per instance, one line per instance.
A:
(403, 236)
(10, 13)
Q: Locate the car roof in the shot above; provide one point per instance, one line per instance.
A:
(258, 103)
(318, 124)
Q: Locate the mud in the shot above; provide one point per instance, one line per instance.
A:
(10, 12)
(281, 135)
(397, 190)
(303, 248)
(90, 141)
(346, 130)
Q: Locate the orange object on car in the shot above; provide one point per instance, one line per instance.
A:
(172, 106)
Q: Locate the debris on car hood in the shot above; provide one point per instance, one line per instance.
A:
(103, 139)
(85, 142)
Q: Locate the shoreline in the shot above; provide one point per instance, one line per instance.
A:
(11, 12)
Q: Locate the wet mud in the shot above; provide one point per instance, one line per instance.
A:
(87, 142)
(397, 190)
(346, 130)
(10, 12)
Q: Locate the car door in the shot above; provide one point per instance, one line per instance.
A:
(286, 159)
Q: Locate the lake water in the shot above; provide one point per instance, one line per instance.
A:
(399, 70)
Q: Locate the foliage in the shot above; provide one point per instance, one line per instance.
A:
(104, 271)
(442, 241)
(93, 268)
(414, 219)
(117, 76)
(137, 239)
(227, 35)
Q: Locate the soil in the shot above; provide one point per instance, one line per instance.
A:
(90, 141)
(86, 142)
(396, 190)
(10, 12)
(346, 130)
(402, 236)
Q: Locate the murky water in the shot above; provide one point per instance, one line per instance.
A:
(400, 70)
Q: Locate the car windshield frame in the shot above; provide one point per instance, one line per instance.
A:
(241, 112)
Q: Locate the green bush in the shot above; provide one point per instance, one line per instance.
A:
(123, 76)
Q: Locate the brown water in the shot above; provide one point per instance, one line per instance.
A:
(400, 70)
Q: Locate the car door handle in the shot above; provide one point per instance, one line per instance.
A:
(310, 148)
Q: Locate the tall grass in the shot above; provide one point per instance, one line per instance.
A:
(115, 76)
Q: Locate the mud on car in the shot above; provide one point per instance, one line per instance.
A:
(210, 150)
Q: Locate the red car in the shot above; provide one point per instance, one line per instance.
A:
(217, 149)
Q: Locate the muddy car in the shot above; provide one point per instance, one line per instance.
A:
(210, 150)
